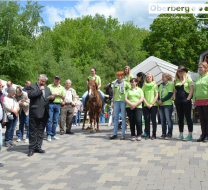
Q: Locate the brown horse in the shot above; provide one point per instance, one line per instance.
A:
(93, 105)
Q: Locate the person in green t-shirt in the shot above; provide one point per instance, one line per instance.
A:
(134, 98)
(150, 90)
(182, 95)
(200, 98)
(54, 107)
(165, 102)
(119, 89)
(127, 74)
(98, 81)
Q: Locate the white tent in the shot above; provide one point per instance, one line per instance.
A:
(157, 67)
(203, 56)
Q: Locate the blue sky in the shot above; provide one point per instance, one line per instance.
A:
(131, 10)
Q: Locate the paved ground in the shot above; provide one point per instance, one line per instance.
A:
(92, 161)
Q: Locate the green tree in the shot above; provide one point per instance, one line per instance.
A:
(18, 27)
(176, 40)
(98, 42)
(203, 23)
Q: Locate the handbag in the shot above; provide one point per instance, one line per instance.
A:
(10, 117)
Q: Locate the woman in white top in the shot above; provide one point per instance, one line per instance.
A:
(11, 109)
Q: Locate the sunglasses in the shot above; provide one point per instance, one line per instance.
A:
(180, 71)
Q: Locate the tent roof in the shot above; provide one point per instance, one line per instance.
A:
(157, 67)
(4, 83)
(202, 56)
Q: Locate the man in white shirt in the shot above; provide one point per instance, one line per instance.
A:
(8, 84)
(67, 108)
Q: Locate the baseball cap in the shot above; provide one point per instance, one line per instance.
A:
(57, 76)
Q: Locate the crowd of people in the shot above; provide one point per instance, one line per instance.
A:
(142, 96)
(39, 106)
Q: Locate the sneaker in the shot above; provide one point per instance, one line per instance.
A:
(113, 137)
(7, 144)
(180, 137)
(26, 140)
(188, 138)
(55, 137)
(12, 144)
(122, 137)
(145, 134)
(147, 137)
(168, 137)
(139, 138)
(133, 138)
(153, 137)
(49, 138)
(19, 140)
(162, 137)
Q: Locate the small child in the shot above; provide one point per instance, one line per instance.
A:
(106, 117)
(75, 115)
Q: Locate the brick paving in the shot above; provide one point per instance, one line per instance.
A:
(91, 161)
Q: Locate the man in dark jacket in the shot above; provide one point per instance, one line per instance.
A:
(39, 96)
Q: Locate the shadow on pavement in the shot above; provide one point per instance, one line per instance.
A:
(20, 148)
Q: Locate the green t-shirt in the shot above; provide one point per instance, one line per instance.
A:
(57, 90)
(134, 95)
(187, 84)
(201, 88)
(127, 76)
(98, 80)
(120, 96)
(168, 88)
(149, 95)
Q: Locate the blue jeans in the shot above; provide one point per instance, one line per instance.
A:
(10, 126)
(79, 117)
(101, 118)
(24, 120)
(119, 105)
(85, 95)
(53, 117)
(74, 120)
(166, 115)
(0, 136)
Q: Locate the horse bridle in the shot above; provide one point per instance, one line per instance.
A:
(92, 95)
